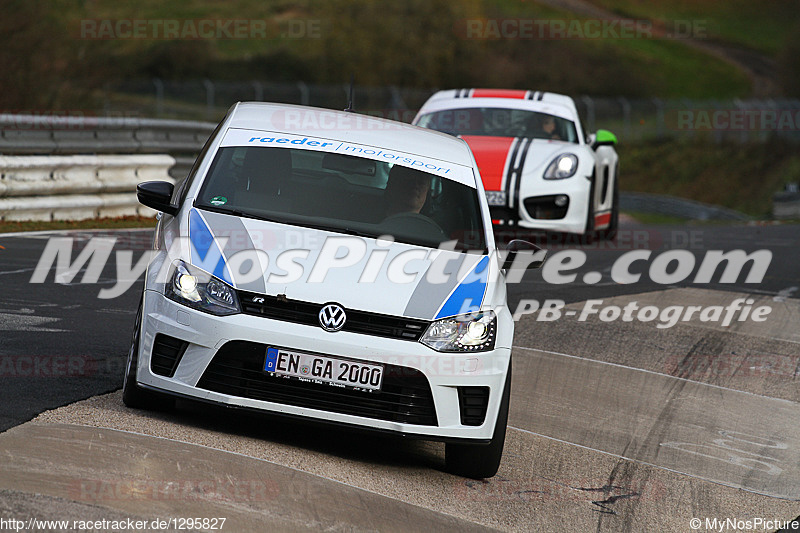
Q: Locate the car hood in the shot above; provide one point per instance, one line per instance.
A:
(499, 158)
(319, 266)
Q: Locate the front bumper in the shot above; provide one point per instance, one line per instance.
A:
(578, 191)
(206, 337)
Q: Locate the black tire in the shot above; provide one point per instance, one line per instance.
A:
(133, 395)
(480, 461)
(610, 232)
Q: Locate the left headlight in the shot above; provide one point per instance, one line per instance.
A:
(200, 290)
(563, 166)
(474, 332)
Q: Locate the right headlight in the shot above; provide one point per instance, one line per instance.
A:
(474, 332)
(200, 290)
(563, 166)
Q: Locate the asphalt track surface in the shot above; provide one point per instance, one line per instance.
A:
(615, 426)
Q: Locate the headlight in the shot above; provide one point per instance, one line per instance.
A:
(200, 290)
(563, 166)
(474, 332)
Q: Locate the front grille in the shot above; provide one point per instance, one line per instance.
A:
(238, 370)
(472, 402)
(545, 208)
(307, 313)
(167, 353)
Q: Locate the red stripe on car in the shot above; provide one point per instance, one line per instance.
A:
(491, 154)
(499, 93)
(602, 220)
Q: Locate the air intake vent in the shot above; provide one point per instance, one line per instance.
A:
(237, 370)
(167, 353)
(472, 402)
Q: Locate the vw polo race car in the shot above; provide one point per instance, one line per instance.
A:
(336, 267)
(539, 170)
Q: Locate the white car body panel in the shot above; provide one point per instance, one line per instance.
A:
(205, 334)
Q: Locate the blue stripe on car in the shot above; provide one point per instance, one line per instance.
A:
(203, 243)
(468, 296)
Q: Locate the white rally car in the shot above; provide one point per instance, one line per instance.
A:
(539, 170)
(331, 266)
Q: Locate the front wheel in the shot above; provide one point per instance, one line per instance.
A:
(479, 461)
(133, 395)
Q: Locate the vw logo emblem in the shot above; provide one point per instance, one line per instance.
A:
(332, 317)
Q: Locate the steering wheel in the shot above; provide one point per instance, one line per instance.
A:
(413, 224)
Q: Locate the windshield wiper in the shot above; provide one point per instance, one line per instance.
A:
(346, 231)
(237, 213)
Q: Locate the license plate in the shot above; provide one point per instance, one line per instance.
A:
(496, 198)
(324, 370)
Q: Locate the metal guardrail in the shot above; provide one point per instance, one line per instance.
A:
(55, 135)
(676, 207)
(74, 187)
(42, 134)
(74, 135)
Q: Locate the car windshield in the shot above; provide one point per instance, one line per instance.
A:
(343, 193)
(500, 122)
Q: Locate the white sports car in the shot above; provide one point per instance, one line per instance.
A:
(331, 266)
(539, 170)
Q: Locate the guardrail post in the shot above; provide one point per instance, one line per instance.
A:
(258, 91)
(741, 106)
(209, 85)
(660, 126)
(590, 119)
(688, 105)
(718, 134)
(626, 117)
(303, 88)
(159, 96)
(397, 99)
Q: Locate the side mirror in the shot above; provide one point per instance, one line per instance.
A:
(157, 195)
(518, 248)
(603, 138)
